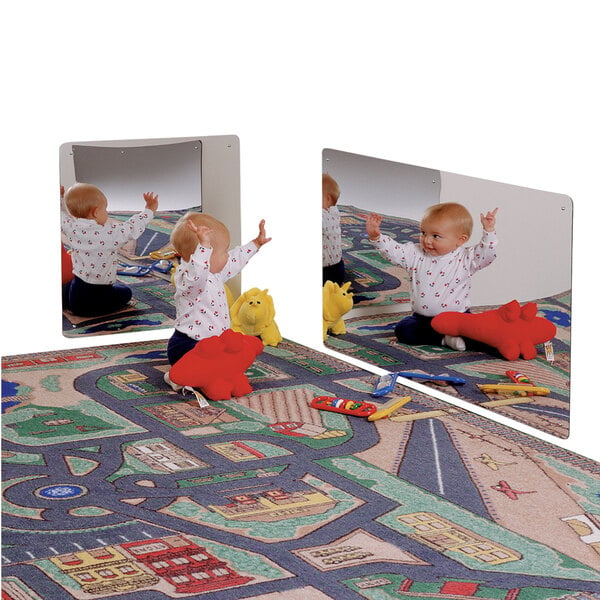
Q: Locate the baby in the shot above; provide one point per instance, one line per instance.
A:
(206, 264)
(440, 267)
(94, 241)
(333, 265)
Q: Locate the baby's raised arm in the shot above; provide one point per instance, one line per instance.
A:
(489, 220)
(372, 226)
(203, 233)
(262, 238)
(151, 201)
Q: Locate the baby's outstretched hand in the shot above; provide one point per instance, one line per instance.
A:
(489, 220)
(262, 238)
(151, 201)
(203, 233)
(372, 226)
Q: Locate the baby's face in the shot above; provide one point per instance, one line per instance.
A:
(439, 237)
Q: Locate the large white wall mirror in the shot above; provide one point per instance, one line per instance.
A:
(532, 267)
(200, 173)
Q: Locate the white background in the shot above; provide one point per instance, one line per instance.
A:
(502, 91)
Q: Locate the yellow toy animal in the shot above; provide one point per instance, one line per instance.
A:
(253, 313)
(337, 301)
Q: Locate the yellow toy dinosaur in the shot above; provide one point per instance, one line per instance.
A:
(337, 301)
(253, 313)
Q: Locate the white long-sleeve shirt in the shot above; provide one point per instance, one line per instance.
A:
(94, 247)
(200, 296)
(332, 236)
(439, 283)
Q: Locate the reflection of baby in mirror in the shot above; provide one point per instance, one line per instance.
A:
(440, 267)
(206, 264)
(333, 264)
(94, 240)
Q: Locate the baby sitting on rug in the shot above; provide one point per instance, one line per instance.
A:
(94, 241)
(440, 267)
(201, 305)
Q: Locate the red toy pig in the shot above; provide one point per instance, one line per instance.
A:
(216, 365)
(512, 329)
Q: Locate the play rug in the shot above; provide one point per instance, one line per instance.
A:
(371, 338)
(114, 486)
(151, 307)
(375, 281)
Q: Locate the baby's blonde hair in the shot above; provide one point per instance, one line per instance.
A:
(82, 198)
(184, 240)
(452, 211)
(331, 187)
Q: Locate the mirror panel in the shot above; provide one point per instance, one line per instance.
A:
(194, 173)
(533, 265)
(173, 171)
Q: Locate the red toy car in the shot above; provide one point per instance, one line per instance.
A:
(340, 405)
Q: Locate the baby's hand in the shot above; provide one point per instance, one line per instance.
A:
(203, 233)
(151, 201)
(489, 220)
(262, 238)
(372, 226)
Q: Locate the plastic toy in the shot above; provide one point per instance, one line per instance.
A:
(162, 266)
(337, 301)
(156, 255)
(428, 414)
(132, 270)
(385, 384)
(517, 377)
(512, 329)
(386, 409)
(521, 386)
(217, 365)
(253, 313)
(340, 405)
(66, 263)
(162, 254)
(516, 388)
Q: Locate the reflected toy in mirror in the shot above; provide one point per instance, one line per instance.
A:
(253, 313)
(512, 329)
(337, 301)
(66, 263)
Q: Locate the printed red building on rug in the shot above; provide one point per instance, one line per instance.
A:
(456, 589)
(189, 568)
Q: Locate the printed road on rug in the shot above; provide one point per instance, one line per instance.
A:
(114, 486)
